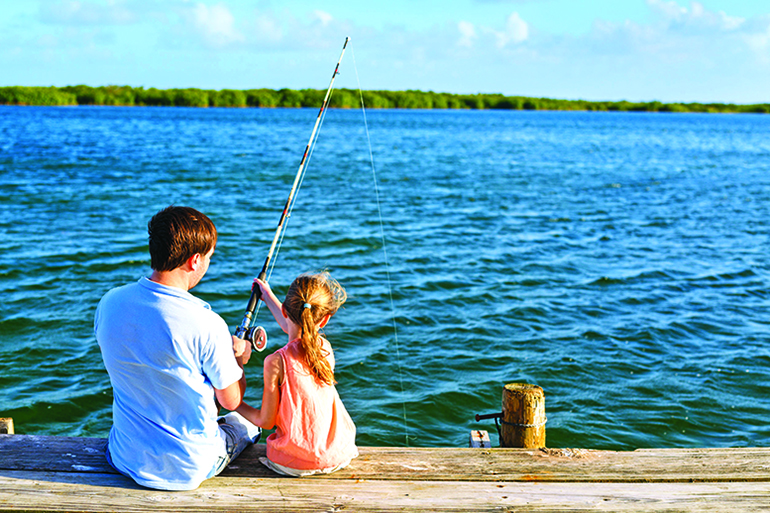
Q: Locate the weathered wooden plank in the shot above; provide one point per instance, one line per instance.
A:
(56, 453)
(89, 492)
(550, 465)
(565, 465)
(62, 454)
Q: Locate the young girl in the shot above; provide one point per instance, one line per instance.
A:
(314, 433)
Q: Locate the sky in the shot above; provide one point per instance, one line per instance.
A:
(637, 50)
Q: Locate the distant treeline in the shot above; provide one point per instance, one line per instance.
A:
(341, 98)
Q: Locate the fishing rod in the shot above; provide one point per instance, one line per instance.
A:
(256, 334)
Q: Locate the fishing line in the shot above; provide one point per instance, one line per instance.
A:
(384, 249)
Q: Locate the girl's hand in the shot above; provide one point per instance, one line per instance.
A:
(272, 302)
(263, 287)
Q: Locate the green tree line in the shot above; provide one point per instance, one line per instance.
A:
(341, 98)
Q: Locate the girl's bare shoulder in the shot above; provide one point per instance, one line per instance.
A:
(274, 365)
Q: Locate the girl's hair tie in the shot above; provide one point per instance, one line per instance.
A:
(308, 305)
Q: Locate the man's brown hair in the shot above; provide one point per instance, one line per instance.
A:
(176, 234)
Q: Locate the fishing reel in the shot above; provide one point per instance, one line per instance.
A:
(255, 334)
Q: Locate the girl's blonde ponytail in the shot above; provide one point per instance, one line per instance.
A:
(309, 298)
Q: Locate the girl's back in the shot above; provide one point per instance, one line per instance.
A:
(313, 429)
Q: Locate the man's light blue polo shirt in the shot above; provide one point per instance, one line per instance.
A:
(165, 352)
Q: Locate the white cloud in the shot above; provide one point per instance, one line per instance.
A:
(467, 34)
(216, 24)
(281, 30)
(668, 10)
(324, 17)
(73, 12)
(516, 31)
(696, 17)
(691, 35)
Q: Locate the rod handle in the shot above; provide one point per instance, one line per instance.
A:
(256, 293)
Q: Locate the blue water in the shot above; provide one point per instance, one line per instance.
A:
(620, 261)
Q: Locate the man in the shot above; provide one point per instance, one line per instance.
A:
(169, 356)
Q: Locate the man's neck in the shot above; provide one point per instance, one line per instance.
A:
(176, 278)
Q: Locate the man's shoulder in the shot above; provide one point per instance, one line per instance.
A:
(176, 306)
(120, 292)
(205, 317)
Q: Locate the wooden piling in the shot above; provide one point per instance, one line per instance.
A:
(6, 426)
(523, 422)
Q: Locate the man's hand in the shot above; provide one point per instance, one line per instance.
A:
(242, 349)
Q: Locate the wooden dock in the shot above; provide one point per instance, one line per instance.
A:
(39, 473)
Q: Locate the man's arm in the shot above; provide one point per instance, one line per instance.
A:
(232, 396)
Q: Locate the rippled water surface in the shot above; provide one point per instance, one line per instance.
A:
(620, 261)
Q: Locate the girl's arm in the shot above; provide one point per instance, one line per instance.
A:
(273, 304)
(265, 416)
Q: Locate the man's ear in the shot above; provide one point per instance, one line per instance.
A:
(324, 321)
(194, 261)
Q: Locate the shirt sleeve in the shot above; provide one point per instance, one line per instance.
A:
(218, 361)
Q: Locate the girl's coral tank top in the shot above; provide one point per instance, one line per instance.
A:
(313, 428)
